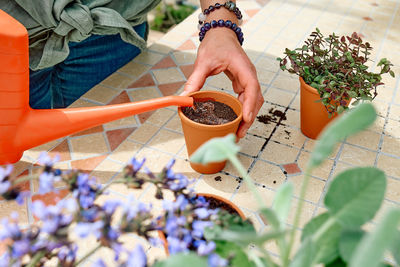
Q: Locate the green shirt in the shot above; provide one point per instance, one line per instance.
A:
(51, 24)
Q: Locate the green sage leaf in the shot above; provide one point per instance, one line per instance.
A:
(216, 149)
(351, 122)
(355, 195)
(327, 245)
(371, 249)
(349, 240)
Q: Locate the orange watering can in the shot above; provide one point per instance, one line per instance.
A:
(22, 127)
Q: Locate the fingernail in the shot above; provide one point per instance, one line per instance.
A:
(184, 93)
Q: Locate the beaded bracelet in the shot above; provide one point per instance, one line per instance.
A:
(221, 23)
(231, 6)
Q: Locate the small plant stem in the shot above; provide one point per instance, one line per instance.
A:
(25, 178)
(88, 255)
(299, 208)
(236, 163)
(35, 260)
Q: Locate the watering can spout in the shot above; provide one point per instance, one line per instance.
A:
(21, 127)
(41, 126)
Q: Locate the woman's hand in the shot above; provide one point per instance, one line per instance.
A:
(221, 51)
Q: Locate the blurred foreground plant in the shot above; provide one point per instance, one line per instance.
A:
(201, 236)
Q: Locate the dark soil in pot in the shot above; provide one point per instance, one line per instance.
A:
(217, 204)
(210, 112)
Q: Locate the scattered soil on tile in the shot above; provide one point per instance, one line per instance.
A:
(288, 134)
(285, 172)
(210, 112)
(273, 115)
(218, 178)
(374, 4)
(367, 18)
(274, 182)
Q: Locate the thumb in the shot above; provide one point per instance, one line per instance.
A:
(196, 80)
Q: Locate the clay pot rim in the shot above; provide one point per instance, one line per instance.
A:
(308, 87)
(212, 127)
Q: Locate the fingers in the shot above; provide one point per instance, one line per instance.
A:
(196, 79)
(249, 92)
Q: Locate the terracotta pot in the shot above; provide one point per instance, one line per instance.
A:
(313, 115)
(221, 199)
(197, 134)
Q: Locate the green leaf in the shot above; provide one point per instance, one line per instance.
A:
(305, 255)
(182, 259)
(327, 246)
(216, 149)
(355, 195)
(348, 243)
(282, 202)
(391, 73)
(338, 262)
(227, 250)
(352, 94)
(371, 249)
(396, 248)
(351, 122)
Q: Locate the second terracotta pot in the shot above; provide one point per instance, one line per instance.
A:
(197, 134)
(162, 236)
(313, 115)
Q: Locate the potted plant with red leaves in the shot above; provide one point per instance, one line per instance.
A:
(332, 71)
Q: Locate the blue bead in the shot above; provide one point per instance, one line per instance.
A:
(214, 23)
(211, 8)
(207, 26)
(234, 26)
(201, 38)
(238, 30)
(206, 11)
(240, 35)
(228, 23)
(202, 33)
(217, 5)
(221, 23)
(202, 29)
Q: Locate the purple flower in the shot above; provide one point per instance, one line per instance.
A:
(52, 217)
(198, 228)
(68, 254)
(136, 164)
(20, 248)
(46, 182)
(84, 229)
(9, 230)
(137, 258)
(110, 206)
(4, 183)
(20, 199)
(5, 259)
(214, 260)
(176, 245)
(130, 208)
(181, 203)
(86, 191)
(204, 248)
(45, 160)
(99, 263)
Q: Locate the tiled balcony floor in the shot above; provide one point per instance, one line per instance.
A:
(273, 153)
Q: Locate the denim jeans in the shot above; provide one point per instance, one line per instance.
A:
(89, 63)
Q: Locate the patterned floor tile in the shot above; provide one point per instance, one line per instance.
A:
(167, 62)
(116, 137)
(144, 81)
